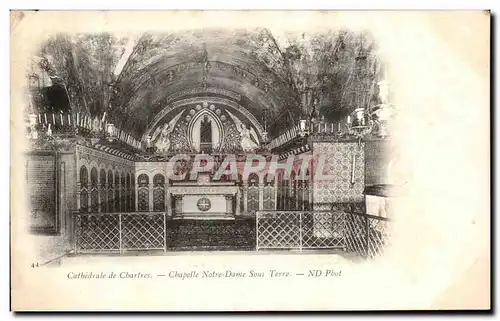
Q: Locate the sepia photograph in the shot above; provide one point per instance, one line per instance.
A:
(280, 154)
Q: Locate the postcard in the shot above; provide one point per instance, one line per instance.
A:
(250, 160)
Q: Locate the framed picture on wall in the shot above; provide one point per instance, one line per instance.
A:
(41, 183)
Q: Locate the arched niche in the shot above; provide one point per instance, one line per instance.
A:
(159, 117)
(205, 117)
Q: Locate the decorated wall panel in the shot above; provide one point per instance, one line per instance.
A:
(269, 197)
(253, 197)
(42, 190)
(205, 126)
(101, 181)
(346, 163)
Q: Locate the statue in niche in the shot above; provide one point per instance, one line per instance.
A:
(248, 139)
(206, 135)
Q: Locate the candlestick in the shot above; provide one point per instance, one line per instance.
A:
(353, 167)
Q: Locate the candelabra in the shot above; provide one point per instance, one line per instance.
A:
(110, 132)
(359, 124)
(384, 112)
(303, 128)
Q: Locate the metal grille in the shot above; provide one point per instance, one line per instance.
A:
(117, 232)
(94, 199)
(117, 199)
(367, 235)
(363, 234)
(145, 231)
(84, 199)
(278, 230)
(356, 236)
(379, 236)
(253, 198)
(110, 204)
(103, 198)
(143, 196)
(97, 232)
(323, 230)
(158, 199)
(269, 197)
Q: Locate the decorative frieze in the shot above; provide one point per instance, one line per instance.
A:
(91, 153)
(201, 90)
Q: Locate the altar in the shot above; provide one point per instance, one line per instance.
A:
(208, 200)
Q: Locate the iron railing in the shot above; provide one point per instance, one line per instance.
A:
(367, 235)
(363, 234)
(118, 232)
(300, 230)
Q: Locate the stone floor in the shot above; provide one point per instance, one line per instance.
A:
(133, 257)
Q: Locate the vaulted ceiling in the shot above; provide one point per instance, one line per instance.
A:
(247, 63)
(132, 79)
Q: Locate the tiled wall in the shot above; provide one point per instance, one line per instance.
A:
(338, 162)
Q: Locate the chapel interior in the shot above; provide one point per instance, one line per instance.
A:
(106, 115)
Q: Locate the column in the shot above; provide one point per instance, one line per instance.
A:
(106, 187)
(168, 200)
(99, 195)
(276, 186)
(136, 192)
(261, 196)
(245, 196)
(150, 191)
(118, 188)
(238, 196)
(178, 204)
(89, 198)
(78, 187)
(229, 204)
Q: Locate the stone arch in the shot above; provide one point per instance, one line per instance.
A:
(199, 100)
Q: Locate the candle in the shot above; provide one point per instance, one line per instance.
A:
(39, 118)
(339, 126)
(78, 119)
(54, 118)
(69, 119)
(45, 117)
(62, 121)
